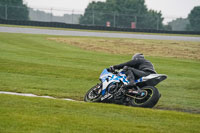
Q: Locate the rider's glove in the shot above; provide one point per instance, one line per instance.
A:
(111, 69)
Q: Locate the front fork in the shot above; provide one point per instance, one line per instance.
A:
(98, 88)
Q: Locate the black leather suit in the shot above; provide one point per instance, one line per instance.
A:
(136, 68)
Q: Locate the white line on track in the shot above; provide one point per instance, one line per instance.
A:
(33, 95)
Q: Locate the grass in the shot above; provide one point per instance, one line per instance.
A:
(37, 64)
(44, 65)
(36, 115)
(176, 49)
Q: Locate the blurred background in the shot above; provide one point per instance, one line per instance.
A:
(140, 14)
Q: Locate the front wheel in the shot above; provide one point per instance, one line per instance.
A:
(94, 94)
(149, 100)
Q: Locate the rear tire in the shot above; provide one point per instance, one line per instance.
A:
(148, 101)
(92, 95)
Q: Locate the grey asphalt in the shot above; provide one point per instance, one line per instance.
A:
(96, 34)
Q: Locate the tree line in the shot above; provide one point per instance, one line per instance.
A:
(123, 12)
(14, 9)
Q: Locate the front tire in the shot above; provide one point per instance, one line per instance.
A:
(148, 101)
(94, 94)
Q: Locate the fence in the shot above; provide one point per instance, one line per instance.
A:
(92, 18)
(9, 12)
(111, 19)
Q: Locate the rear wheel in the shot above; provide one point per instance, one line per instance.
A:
(94, 94)
(148, 100)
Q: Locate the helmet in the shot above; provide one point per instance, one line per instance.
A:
(138, 55)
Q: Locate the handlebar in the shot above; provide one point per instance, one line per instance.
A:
(114, 72)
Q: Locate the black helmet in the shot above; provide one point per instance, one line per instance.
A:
(138, 55)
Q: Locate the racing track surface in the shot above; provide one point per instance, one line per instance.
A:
(96, 34)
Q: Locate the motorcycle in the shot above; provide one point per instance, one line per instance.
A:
(110, 90)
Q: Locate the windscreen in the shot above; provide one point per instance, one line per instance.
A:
(105, 71)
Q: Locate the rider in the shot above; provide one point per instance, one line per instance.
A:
(135, 69)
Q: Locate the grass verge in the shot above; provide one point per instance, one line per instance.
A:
(36, 115)
(37, 64)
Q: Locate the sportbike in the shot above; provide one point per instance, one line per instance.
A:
(109, 90)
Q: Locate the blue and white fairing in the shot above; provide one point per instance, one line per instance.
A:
(107, 78)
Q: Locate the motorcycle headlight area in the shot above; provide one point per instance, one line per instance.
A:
(112, 87)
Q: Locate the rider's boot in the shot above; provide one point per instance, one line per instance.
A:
(125, 89)
(129, 88)
(131, 85)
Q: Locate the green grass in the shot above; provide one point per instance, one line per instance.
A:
(35, 64)
(36, 115)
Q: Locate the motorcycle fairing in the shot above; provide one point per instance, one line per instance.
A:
(108, 77)
(152, 79)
